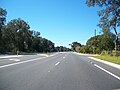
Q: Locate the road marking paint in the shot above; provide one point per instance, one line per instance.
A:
(21, 62)
(92, 63)
(63, 57)
(115, 76)
(14, 59)
(26, 61)
(48, 71)
(57, 63)
(89, 61)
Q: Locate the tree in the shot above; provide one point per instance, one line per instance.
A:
(62, 49)
(101, 42)
(109, 15)
(74, 45)
(3, 14)
(17, 35)
(77, 48)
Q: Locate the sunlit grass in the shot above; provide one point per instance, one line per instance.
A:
(108, 58)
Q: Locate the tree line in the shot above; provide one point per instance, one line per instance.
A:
(109, 20)
(17, 36)
(96, 44)
(109, 16)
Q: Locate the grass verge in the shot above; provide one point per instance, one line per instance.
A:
(108, 58)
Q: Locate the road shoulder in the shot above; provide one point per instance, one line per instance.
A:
(105, 62)
(10, 56)
(100, 60)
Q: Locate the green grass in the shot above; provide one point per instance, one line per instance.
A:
(108, 58)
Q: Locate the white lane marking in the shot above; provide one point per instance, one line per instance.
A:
(115, 76)
(57, 63)
(21, 62)
(14, 59)
(63, 57)
(48, 71)
(89, 61)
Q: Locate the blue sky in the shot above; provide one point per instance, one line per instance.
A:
(61, 21)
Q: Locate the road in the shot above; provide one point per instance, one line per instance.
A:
(63, 71)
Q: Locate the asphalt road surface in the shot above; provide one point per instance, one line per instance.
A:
(63, 71)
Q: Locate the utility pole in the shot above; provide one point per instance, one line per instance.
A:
(94, 41)
(95, 32)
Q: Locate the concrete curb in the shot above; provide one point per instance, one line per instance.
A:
(43, 55)
(86, 54)
(105, 62)
(48, 55)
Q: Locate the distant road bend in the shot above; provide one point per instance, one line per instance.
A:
(63, 71)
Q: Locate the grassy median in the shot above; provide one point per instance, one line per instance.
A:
(108, 58)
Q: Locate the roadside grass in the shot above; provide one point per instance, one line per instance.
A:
(108, 58)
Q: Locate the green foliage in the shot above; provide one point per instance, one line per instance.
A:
(77, 49)
(3, 14)
(86, 49)
(109, 15)
(101, 42)
(74, 45)
(17, 36)
(61, 49)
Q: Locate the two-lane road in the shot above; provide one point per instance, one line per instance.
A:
(63, 71)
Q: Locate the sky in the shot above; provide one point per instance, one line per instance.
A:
(61, 21)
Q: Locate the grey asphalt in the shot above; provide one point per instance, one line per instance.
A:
(64, 71)
(4, 61)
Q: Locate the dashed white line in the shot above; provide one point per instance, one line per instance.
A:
(63, 57)
(115, 76)
(57, 63)
(48, 71)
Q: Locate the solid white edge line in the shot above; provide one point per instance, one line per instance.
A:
(115, 76)
(57, 63)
